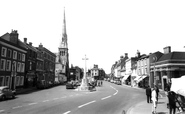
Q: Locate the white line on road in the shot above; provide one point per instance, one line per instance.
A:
(32, 103)
(86, 104)
(67, 112)
(1, 110)
(106, 97)
(45, 101)
(116, 92)
(16, 107)
(55, 98)
(63, 97)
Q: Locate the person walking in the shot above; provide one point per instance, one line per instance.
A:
(154, 100)
(148, 94)
(157, 92)
(172, 102)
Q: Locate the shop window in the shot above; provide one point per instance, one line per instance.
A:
(21, 80)
(1, 80)
(8, 65)
(14, 54)
(3, 51)
(3, 63)
(9, 53)
(17, 80)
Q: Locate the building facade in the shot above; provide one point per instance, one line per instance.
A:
(12, 61)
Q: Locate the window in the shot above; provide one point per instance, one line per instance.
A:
(7, 81)
(19, 56)
(3, 63)
(1, 80)
(8, 65)
(9, 53)
(23, 57)
(22, 67)
(14, 54)
(17, 80)
(21, 80)
(30, 66)
(3, 51)
(18, 67)
(14, 66)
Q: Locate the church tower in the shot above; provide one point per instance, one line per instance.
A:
(62, 60)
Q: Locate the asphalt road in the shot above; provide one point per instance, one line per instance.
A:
(108, 99)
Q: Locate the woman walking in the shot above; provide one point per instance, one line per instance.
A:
(154, 101)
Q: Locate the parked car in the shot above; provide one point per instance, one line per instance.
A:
(70, 85)
(6, 92)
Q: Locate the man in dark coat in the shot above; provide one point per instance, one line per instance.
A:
(157, 92)
(148, 94)
(172, 102)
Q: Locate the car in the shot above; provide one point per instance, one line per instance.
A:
(6, 92)
(70, 85)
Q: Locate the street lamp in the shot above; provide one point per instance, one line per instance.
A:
(155, 59)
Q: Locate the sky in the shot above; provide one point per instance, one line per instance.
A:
(103, 30)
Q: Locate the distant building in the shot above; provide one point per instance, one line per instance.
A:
(62, 57)
(97, 73)
(12, 61)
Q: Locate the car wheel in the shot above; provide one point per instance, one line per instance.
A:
(13, 96)
(3, 98)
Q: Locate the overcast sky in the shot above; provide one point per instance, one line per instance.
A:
(102, 29)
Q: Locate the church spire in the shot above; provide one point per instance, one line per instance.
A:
(63, 43)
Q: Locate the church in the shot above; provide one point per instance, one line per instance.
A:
(62, 57)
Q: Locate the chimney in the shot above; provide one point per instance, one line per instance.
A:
(126, 54)
(30, 43)
(14, 36)
(167, 49)
(40, 45)
(25, 40)
(121, 57)
(138, 53)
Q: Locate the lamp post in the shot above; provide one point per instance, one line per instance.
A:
(155, 78)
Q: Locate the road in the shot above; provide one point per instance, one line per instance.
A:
(108, 99)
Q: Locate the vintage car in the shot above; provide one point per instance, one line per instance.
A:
(6, 92)
(70, 85)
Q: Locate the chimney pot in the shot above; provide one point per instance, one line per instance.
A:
(25, 40)
(30, 43)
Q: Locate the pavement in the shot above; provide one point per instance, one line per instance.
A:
(146, 108)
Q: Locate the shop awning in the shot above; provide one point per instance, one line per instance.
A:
(141, 78)
(137, 78)
(125, 77)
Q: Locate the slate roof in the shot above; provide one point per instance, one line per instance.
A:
(172, 56)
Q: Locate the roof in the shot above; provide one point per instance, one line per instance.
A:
(2, 87)
(173, 56)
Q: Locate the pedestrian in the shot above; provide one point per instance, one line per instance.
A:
(157, 92)
(148, 94)
(154, 101)
(172, 102)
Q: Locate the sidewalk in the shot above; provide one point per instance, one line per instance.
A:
(146, 108)
(26, 90)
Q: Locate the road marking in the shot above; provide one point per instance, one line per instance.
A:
(116, 92)
(63, 97)
(45, 101)
(16, 107)
(32, 103)
(55, 98)
(1, 110)
(106, 97)
(86, 104)
(67, 112)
